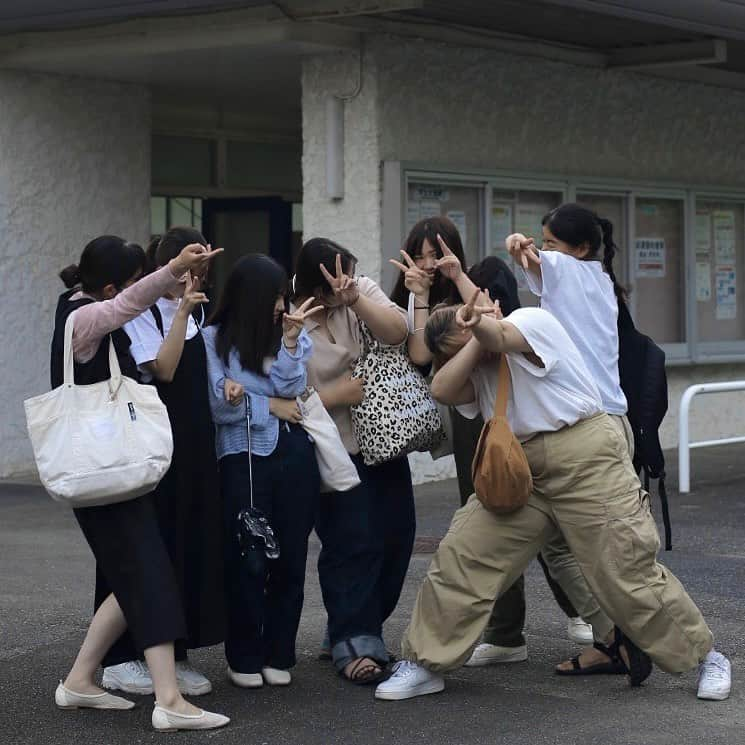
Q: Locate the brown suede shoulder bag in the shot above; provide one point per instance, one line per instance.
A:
(500, 470)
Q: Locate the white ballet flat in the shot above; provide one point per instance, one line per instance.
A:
(274, 677)
(165, 720)
(245, 680)
(67, 699)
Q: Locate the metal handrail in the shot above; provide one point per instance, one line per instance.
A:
(684, 446)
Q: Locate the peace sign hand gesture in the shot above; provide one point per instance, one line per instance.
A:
(344, 287)
(523, 250)
(469, 314)
(292, 323)
(416, 280)
(192, 295)
(449, 265)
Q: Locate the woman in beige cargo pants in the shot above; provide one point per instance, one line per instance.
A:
(583, 485)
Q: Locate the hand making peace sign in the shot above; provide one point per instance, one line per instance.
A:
(416, 280)
(469, 314)
(522, 249)
(292, 323)
(344, 287)
(449, 265)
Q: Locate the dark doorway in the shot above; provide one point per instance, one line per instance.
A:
(248, 225)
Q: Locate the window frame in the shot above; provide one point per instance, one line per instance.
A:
(398, 174)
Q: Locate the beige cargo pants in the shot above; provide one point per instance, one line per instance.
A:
(585, 487)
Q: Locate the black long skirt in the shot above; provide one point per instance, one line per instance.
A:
(189, 511)
(133, 563)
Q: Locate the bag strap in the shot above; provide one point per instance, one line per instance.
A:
(503, 387)
(197, 315)
(369, 342)
(115, 380)
(250, 455)
(158, 316)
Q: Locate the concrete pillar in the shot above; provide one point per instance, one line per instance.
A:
(353, 220)
(74, 163)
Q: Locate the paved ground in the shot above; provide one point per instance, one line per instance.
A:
(45, 595)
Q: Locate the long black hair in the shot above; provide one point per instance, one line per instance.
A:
(443, 290)
(309, 279)
(579, 226)
(106, 260)
(244, 315)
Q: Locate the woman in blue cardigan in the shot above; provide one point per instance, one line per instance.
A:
(256, 363)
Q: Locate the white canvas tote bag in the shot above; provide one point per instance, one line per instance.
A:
(102, 443)
(338, 472)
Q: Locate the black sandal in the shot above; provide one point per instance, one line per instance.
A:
(364, 672)
(640, 663)
(614, 666)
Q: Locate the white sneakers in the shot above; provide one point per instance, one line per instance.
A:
(409, 680)
(190, 681)
(134, 677)
(493, 654)
(67, 699)
(714, 677)
(130, 677)
(165, 720)
(580, 632)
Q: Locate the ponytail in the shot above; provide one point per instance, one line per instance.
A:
(609, 251)
(70, 275)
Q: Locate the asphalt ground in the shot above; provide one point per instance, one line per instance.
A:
(46, 581)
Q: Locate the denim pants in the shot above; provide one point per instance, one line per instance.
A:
(367, 535)
(263, 610)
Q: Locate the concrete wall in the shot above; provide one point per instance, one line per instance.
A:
(353, 221)
(479, 108)
(74, 163)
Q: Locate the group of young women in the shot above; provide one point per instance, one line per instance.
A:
(171, 569)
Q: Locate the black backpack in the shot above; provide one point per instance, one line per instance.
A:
(641, 367)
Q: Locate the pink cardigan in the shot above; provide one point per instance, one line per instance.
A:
(94, 321)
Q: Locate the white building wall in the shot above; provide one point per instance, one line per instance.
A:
(74, 164)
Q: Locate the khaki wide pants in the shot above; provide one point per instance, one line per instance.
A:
(585, 487)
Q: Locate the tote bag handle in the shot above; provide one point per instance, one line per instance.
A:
(115, 380)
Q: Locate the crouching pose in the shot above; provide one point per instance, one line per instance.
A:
(584, 485)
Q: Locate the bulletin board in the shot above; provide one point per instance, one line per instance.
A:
(519, 212)
(462, 204)
(720, 274)
(657, 260)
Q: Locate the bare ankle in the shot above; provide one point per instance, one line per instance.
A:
(172, 701)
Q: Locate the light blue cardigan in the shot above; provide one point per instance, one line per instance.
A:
(287, 379)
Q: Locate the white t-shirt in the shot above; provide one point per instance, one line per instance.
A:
(542, 399)
(146, 338)
(580, 295)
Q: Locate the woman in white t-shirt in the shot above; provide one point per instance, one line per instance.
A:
(584, 485)
(573, 276)
(168, 348)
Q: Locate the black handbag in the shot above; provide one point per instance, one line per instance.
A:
(256, 539)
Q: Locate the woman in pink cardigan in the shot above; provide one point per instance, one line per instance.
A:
(124, 537)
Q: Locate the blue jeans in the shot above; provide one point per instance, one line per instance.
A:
(263, 611)
(367, 535)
